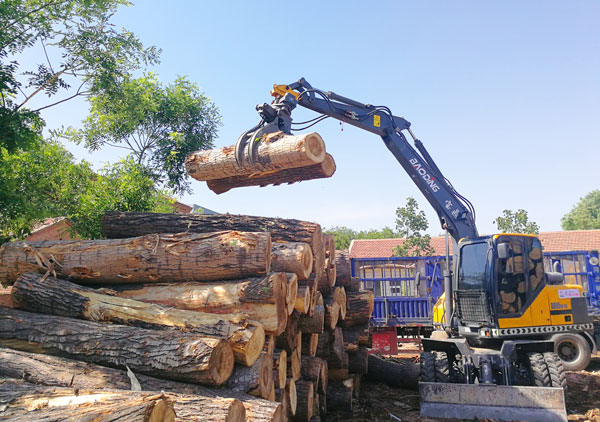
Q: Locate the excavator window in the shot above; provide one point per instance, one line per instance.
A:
(473, 266)
(520, 274)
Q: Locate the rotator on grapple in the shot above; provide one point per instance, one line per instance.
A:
(499, 324)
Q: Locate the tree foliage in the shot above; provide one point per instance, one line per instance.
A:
(410, 223)
(92, 55)
(344, 235)
(516, 222)
(585, 215)
(45, 181)
(159, 124)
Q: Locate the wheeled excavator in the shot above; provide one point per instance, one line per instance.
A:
(495, 357)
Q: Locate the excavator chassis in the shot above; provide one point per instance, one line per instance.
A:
(488, 383)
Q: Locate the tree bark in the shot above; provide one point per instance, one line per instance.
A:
(339, 374)
(359, 308)
(305, 396)
(303, 298)
(323, 379)
(293, 367)
(151, 258)
(26, 401)
(343, 269)
(358, 361)
(324, 169)
(288, 339)
(62, 298)
(292, 257)
(260, 299)
(119, 224)
(356, 336)
(401, 373)
(256, 380)
(56, 371)
(169, 354)
(280, 368)
(310, 342)
(339, 395)
(311, 368)
(275, 152)
(357, 379)
(338, 357)
(292, 292)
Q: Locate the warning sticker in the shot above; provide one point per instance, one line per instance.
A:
(568, 293)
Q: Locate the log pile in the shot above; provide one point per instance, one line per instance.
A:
(280, 158)
(182, 317)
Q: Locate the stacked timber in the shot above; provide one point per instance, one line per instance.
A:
(280, 158)
(182, 317)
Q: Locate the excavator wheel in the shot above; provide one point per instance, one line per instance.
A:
(435, 367)
(547, 370)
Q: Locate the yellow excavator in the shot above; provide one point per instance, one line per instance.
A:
(495, 358)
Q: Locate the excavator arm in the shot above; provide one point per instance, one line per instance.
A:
(455, 212)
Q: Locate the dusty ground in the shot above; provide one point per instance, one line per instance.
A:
(379, 403)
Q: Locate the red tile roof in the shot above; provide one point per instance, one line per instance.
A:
(572, 240)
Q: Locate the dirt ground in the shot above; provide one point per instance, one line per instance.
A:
(379, 403)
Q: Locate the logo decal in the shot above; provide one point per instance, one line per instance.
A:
(430, 180)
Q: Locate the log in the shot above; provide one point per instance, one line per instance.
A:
(359, 308)
(280, 368)
(25, 401)
(292, 292)
(305, 395)
(323, 379)
(256, 380)
(339, 295)
(119, 224)
(316, 410)
(324, 169)
(293, 367)
(284, 399)
(332, 313)
(303, 299)
(357, 378)
(275, 151)
(62, 298)
(401, 373)
(288, 339)
(322, 407)
(260, 299)
(316, 300)
(310, 342)
(338, 357)
(290, 390)
(358, 361)
(343, 269)
(339, 395)
(56, 371)
(311, 368)
(292, 257)
(355, 336)
(152, 258)
(168, 354)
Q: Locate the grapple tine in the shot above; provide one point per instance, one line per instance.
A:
(243, 140)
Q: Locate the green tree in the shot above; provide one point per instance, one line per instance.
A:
(159, 124)
(47, 182)
(344, 235)
(36, 184)
(410, 223)
(93, 58)
(585, 215)
(516, 222)
(124, 186)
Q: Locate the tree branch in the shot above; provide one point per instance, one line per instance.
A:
(52, 79)
(64, 99)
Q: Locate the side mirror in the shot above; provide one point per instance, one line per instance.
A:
(503, 251)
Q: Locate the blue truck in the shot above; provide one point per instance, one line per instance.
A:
(407, 288)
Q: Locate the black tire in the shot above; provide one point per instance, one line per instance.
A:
(556, 370)
(540, 376)
(435, 367)
(547, 370)
(573, 350)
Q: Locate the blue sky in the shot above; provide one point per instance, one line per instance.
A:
(505, 95)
